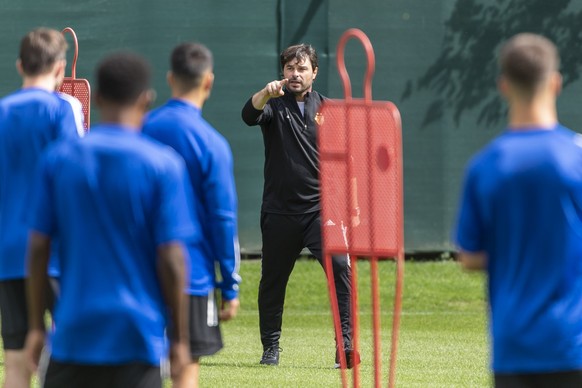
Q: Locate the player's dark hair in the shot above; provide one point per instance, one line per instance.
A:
(526, 60)
(189, 62)
(299, 52)
(122, 77)
(40, 49)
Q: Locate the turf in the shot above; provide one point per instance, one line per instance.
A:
(443, 340)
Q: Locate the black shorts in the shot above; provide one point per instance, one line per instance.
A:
(134, 375)
(569, 379)
(205, 336)
(14, 312)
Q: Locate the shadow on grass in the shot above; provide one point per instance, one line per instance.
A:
(253, 364)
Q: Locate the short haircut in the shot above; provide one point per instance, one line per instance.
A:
(300, 52)
(526, 60)
(40, 49)
(122, 77)
(189, 62)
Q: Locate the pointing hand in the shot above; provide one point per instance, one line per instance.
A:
(275, 89)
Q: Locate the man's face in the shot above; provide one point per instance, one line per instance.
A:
(300, 74)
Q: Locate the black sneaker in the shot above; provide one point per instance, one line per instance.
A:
(271, 356)
(352, 358)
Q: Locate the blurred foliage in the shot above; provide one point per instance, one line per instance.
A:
(464, 74)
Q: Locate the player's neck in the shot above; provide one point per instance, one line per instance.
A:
(128, 118)
(46, 82)
(536, 113)
(194, 97)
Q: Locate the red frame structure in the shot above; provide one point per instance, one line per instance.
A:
(360, 146)
(78, 87)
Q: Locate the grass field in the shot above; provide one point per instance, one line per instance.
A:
(443, 339)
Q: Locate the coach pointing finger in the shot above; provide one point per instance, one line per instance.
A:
(273, 89)
(286, 111)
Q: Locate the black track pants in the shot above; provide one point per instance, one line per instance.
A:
(284, 236)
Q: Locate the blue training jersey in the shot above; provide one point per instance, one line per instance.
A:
(111, 199)
(210, 167)
(522, 205)
(30, 119)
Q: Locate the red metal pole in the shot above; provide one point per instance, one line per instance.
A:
(76, 42)
(396, 319)
(376, 321)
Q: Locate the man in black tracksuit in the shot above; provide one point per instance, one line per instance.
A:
(287, 111)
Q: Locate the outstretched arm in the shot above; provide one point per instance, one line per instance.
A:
(256, 110)
(273, 89)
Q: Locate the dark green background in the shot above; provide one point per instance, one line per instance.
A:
(434, 59)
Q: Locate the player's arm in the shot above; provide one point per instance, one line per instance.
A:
(172, 276)
(472, 261)
(39, 248)
(173, 227)
(256, 110)
(470, 231)
(221, 202)
(273, 89)
(40, 218)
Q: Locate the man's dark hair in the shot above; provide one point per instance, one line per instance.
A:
(300, 52)
(40, 49)
(526, 60)
(189, 62)
(122, 77)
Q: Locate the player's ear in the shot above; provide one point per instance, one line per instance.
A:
(19, 67)
(141, 104)
(170, 78)
(315, 72)
(59, 70)
(146, 99)
(208, 81)
(151, 96)
(502, 86)
(556, 81)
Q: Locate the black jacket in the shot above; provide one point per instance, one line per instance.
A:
(291, 158)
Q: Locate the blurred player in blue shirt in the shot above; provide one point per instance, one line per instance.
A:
(30, 119)
(209, 161)
(119, 205)
(521, 221)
